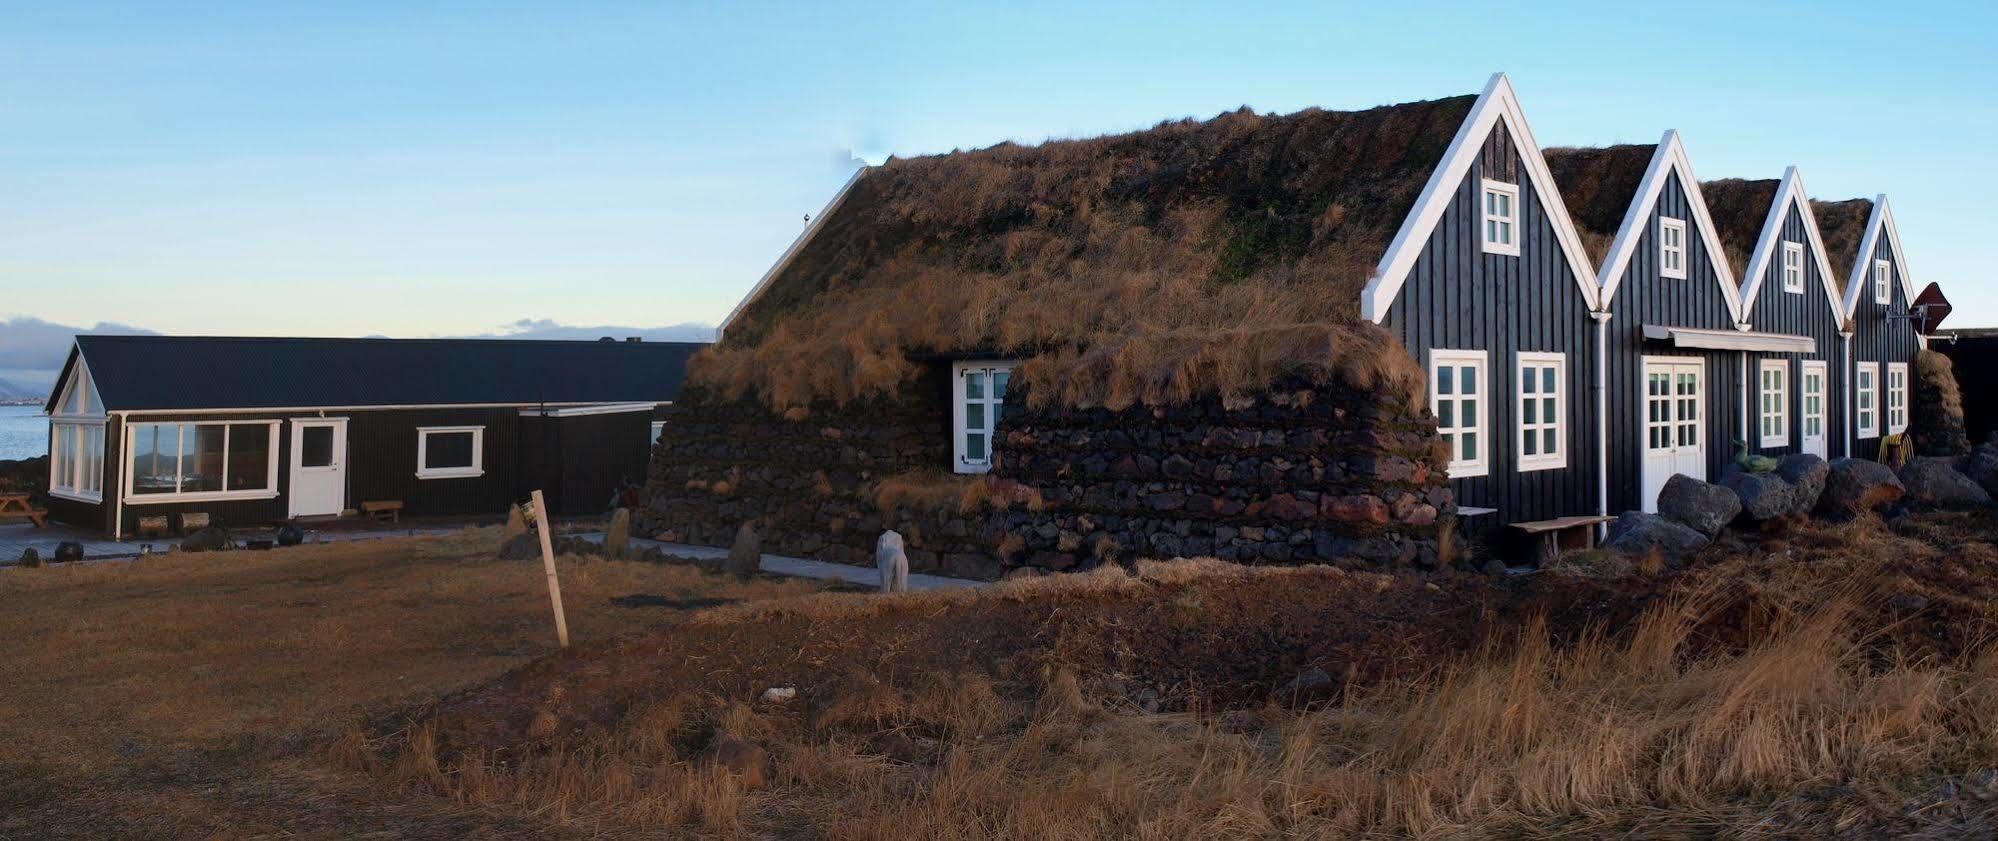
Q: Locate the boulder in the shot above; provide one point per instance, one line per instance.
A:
(746, 556)
(1982, 466)
(68, 552)
(1762, 496)
(1313, 684)
(521, 547)
(893, 562)
(1639, 533)
(1856, 485)
(1934, 480)
(207, 539)
(1707, 508)
(290, 535)
(617, 537)
(30, 558)
(1806, 474)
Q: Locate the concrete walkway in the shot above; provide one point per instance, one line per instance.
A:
(801, 567)
(16, 538)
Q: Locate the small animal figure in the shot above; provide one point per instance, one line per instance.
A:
(893, 561)
(1752, 463)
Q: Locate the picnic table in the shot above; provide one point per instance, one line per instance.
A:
(16, 505)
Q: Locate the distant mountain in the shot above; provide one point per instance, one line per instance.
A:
(11, 393)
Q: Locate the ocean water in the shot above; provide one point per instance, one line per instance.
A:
(24, 432)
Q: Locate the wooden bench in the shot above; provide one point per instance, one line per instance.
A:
(15, 506)
(383, 510)
(1561, 534)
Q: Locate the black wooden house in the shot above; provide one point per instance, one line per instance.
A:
(262, 430)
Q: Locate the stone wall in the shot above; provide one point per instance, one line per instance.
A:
(1303, 475)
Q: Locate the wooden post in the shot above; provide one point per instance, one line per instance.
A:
(548, 563)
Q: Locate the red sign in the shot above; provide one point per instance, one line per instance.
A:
(1929, 309)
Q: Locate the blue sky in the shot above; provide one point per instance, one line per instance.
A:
(430, 169)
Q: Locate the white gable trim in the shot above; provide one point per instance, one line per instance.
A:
(80, 372)
(791, 253)
(1790, 193)
(1859, 282)
(1495, 105)
(1668, 161)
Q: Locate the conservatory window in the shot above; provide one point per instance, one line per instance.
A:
(76, 459)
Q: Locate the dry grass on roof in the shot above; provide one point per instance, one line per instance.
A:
(1192, 258)
(1597, 185)
(1739, 209)
(1842, 224)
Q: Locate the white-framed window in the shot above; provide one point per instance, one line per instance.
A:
(450, 452)
(1671, 247)
(1813, 397)
(1542, 408)
(1897, 397)
(1774, 402)
(1793, 267)
(182, 461)
(980, 389)
(1866, 399)
(658, 429)
(1500, 202)
(76, 441)
(1458, 389)
(1883, 281)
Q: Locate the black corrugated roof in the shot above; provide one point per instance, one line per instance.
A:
(202, 372)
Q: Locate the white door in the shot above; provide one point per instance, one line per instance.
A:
(1674, 404)
(1812, 424)
(318, 466)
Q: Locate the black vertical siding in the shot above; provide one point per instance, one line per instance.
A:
(1457, 297)
(1805, 313)
(1877, 337)
(1644, 297)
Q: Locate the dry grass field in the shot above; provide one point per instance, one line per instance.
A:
(1837, 680)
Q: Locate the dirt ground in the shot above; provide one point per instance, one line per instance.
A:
(186, 695)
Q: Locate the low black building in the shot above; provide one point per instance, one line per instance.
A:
(262, 430)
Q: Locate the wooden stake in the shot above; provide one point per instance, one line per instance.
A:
(548, 562)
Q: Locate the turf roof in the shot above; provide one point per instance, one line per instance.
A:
(1739, 208)
(1842, 224)
(1597, 184)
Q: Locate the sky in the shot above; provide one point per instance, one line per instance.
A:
(413, 169)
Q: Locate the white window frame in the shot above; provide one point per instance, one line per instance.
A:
(960, 460)
(1866, 399)
(1897, 398)
(1671, 248)
(80, 412)
(1772, 396)
(478, 466)
(268, 491)
(1480, 422)
(1491, 223)
(658, 429)
(1530, 367)
(1883, 281)
(1805, 416)
(1793, 267)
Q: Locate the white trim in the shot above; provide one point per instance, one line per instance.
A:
(990, 401)
(70, 487)
(1776, 434)
(1668, 249)
(1792, 268)
(1896, 398)
(797, 245)
(1789, 194)
(1496, 104)
(302, 475)
(1883, 282)
(270, 490)
(77, 497)
(478, 466)
(1866, 422)
(516, 404)
(79, 374)
(1536, 362)
(585, 411)
(1602, 320)
(1488, 221)
(1692, 337)
(1670, 159)
(1804, 414)
(1674, 423)
(1481, 423)
(1881, 222)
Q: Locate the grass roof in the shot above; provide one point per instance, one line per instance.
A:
(1842, 224)
(1193, 257)
(1598, 184)
(1739, 208)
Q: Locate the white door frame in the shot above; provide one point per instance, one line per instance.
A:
(1818, 445)
(1678, 458)
(334, 472)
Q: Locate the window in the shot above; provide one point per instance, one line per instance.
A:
(1897, 397)
(1775, 402)
(981, 394)
(1501, 218)
(76, 441)
(1866, 394)
(1883, 281)
(1542, 383)
(205, 460)
(658, 429)
(1813, 420)
(1671, 247)
(1456, 394)
(450, 452)
(1793, 267)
